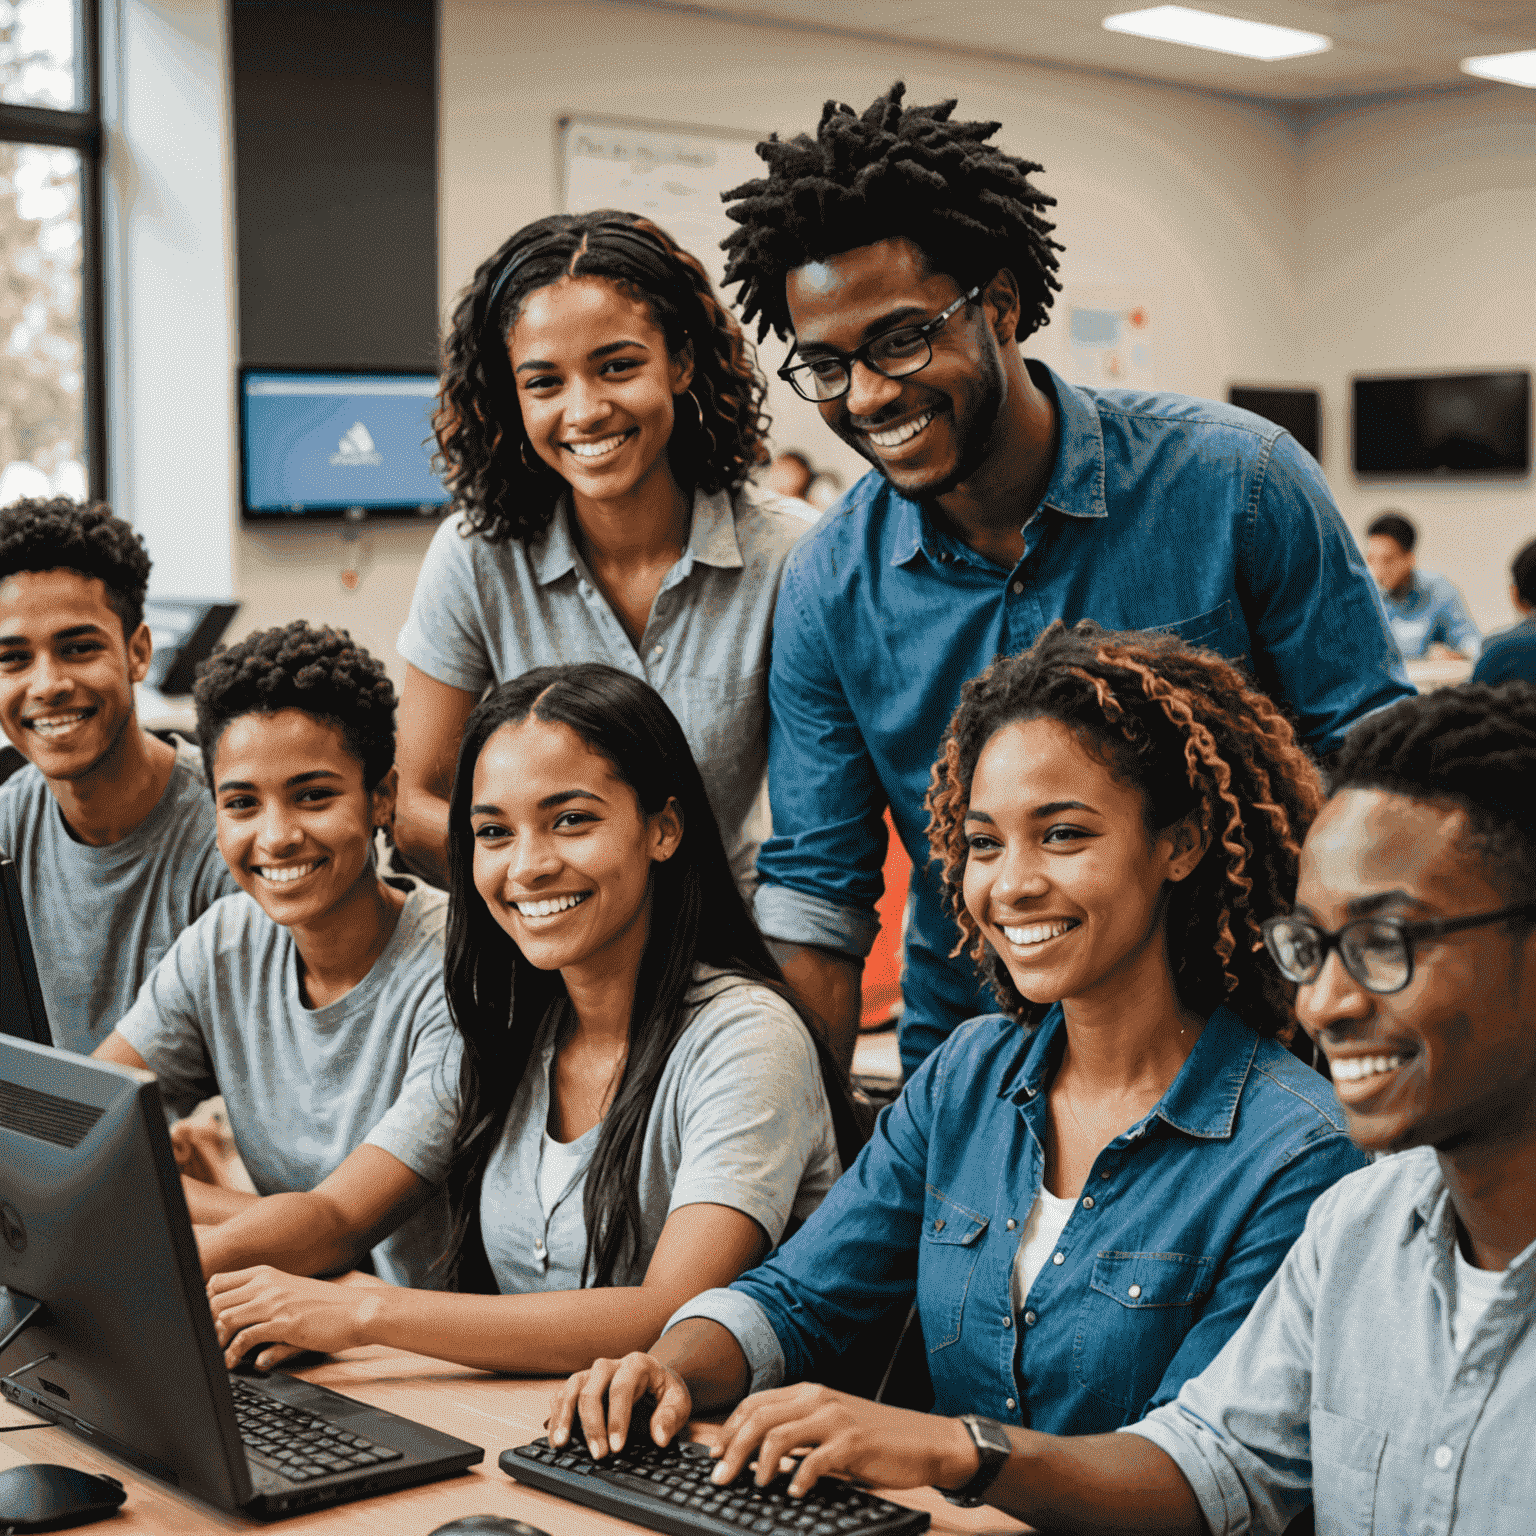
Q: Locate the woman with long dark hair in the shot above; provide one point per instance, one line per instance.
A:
(643, 1109)
(1085, 1191)
(599, 415)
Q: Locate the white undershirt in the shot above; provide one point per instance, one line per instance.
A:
(1475, 1289)
(1042, 1227)
(560, 1162)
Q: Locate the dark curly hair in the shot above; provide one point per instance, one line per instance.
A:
(60, 534)
(1189, 731)
(1473, 745)
(891, 171)
(301, 667)
(478, 423)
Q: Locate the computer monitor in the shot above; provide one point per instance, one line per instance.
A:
(185, 631)
(95, 1228)
(317, 444)
(22, 1013)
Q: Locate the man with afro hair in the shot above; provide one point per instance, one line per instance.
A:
(908, 258)
(110, 827)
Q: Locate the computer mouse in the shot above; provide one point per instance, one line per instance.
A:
(487, 1525)
(39, 1496)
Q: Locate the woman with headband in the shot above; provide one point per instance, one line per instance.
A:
(599, 415)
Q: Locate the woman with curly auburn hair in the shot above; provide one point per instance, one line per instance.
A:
(599, 414)
(1086, 1192)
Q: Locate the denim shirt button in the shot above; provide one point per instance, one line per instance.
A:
(1087, 1202)
(1058, 1258)
(1018, 588)
(1029, 1319)
(1011, 1404)
(1134, 1292)
(1104, 1173)
(938, 1226)
(1011, 1223)
(1007, 1321)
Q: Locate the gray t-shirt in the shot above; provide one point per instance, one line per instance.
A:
(485, 613)
(740, 1118)
(306, 1086)
(101, 918)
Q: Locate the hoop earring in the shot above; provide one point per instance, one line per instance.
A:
(522, 453)
(713, 445)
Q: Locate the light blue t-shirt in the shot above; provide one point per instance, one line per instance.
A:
(101, 917)
(304, 1087)
(1431, 612)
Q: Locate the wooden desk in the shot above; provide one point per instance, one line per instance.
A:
(493, 1411)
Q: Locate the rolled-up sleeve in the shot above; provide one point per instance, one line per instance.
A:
(1322, 642)
(1240, 1430)
(748, 1324)
(821, 869)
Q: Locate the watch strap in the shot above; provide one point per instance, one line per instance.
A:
(993, 1447)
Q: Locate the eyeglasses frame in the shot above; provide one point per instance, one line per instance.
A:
(861, 354)
(1408, 935)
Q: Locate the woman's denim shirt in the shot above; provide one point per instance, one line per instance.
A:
(1181, 1223)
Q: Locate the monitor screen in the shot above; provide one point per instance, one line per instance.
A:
(1297, 410)
(22, 1010)
(318, 444)
(1455, 424)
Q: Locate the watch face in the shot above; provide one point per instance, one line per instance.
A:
(992, 1435)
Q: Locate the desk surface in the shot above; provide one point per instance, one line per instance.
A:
(492, 1411)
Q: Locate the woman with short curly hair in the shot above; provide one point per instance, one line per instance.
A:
(600, 412)
(312, 999)
(1085, 1192)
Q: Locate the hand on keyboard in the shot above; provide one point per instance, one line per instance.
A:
(597, 1404)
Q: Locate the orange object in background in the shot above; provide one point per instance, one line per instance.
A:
(881, 988)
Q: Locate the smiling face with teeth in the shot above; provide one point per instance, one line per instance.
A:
(563, 853)
(1449, 1061)
(66, 671)
(295, 820)
(1062, 875)
(596, 388)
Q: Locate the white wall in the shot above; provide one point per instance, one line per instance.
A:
(1419, 254)
(170, 275)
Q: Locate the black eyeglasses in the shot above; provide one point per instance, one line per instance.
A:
(895, 354)
(1376, 951)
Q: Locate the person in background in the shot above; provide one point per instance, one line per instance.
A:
(643, 1112)
(1510, 655)
(790, 474)
(1423, 608)
(1088, 1189)
(600, 414)
(110, 826)
(909, 258)
(1386, 1374)
(313, 998)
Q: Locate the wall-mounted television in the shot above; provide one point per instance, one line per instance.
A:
(336, 443)
(1446, 424)
(1299, 411)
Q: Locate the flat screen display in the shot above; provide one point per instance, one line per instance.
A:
(318, 444)
(1297, 410)
(1453, 424)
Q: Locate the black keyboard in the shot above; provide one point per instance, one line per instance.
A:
(668, 1489)
(295, 1444)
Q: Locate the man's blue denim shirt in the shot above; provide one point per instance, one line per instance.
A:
(1162, 513)
(1182, 1221)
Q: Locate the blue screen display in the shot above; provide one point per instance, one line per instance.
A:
(325, 442)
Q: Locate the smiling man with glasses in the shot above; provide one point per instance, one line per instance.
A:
(908, 259)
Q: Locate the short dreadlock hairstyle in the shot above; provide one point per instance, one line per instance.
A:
(1189, 731)
(717, 437)
(890, 171)
(60, 534)
(1473, 746)
(300, 667)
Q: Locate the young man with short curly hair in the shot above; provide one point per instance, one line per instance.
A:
(908, 258)
(110, 827)
(312, 999)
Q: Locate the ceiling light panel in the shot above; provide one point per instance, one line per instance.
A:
(1220, 34)
(1512, 68)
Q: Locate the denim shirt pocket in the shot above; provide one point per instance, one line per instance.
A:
(1222, 629)
(1346, 1458)
(946, 1260)
(1138, 1309)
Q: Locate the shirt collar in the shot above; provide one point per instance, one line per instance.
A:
(711, 539)
(1201, 1101)
(1076, 487)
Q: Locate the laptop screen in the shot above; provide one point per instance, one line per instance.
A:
(22, 1013)
(318, 444)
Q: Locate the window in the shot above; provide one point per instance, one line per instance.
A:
(52, 374)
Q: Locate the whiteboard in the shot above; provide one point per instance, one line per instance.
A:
(674, 174)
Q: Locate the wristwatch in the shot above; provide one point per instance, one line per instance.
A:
(994, 1448)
